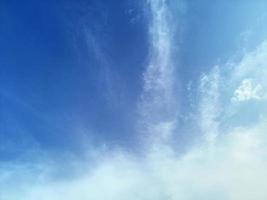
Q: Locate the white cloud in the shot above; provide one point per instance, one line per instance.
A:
(248, 90)
(234, 170)
(209, 104)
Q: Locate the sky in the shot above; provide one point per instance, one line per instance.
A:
(144, 99)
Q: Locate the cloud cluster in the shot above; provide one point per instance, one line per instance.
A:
(248, 90)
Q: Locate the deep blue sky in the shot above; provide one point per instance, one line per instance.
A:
(72, 70)
(69, 67)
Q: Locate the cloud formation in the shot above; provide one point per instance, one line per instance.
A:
(230, 163)
(248, 90)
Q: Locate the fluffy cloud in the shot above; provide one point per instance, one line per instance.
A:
(248, 90)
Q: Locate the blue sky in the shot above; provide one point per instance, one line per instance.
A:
(91, 90)
(70, 65)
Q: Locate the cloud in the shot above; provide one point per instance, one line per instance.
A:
(248, 90)
(248, 76)
(209, 105)
(235, 169)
